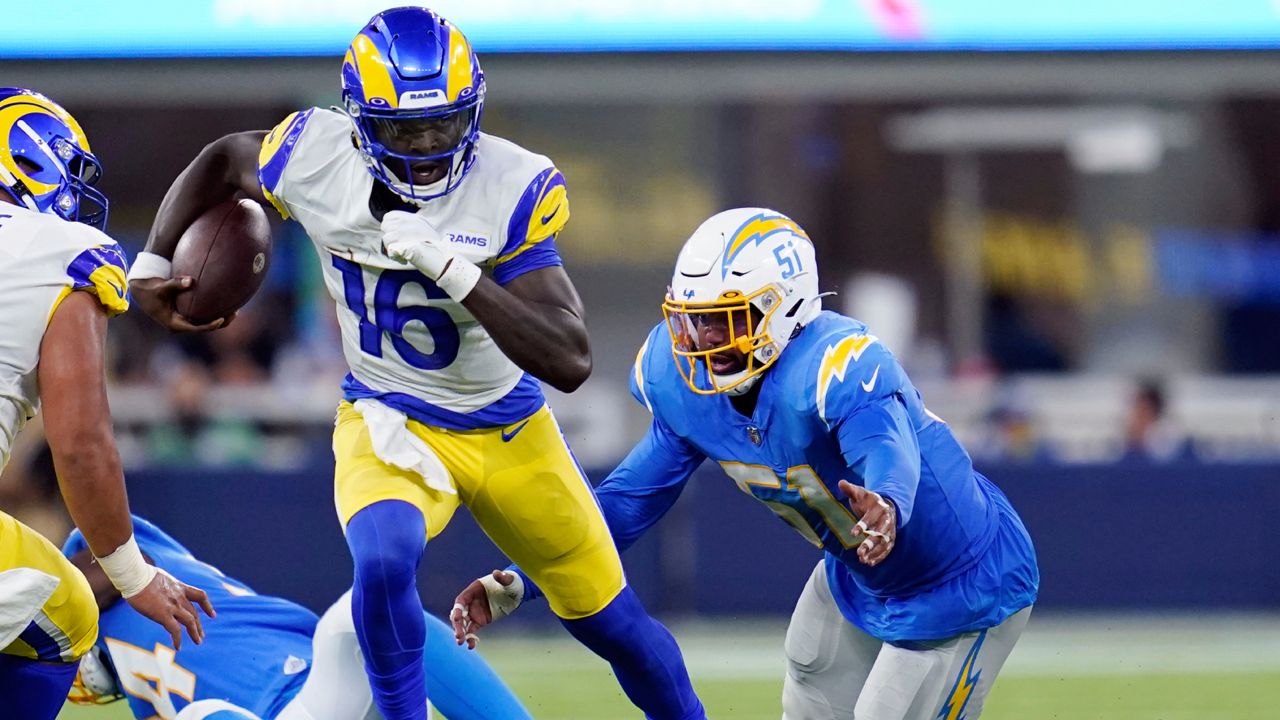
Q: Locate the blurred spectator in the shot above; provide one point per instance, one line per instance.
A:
(1149, 432)
(1010, 433)
(194, 436)
(243, 352)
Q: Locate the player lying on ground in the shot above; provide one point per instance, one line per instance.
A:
(61, 277)
(928, 575)
(269, 658)
(405, 200)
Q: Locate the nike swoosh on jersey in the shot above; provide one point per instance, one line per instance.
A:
(548, 218)
(506, 436)
(869, 384)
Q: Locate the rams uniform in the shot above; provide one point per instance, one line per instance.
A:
(47, 611)
(412, 349)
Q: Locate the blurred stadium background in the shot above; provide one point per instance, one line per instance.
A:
(1064, 216)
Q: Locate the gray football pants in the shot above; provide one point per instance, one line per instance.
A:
(837, 672)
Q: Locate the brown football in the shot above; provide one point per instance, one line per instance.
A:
(227, 250)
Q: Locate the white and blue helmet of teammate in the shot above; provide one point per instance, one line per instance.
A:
(45, 161)
(756, 270)
(409, 73)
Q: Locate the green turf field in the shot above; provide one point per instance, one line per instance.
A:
(1103, 668)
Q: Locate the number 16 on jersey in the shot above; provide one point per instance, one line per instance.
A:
(385, 316)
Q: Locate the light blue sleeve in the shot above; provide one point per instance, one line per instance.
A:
(648, 481)
(463, 686)
(640, 490)
(860, 399)
(645, 486)
(879, 443)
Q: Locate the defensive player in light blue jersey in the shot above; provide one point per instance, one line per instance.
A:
(928, 575)
(269, 658)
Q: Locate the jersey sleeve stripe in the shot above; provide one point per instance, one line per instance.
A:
(535, 257)
(277, 148)
(101, 270)
(835, 361)
(639, 375)
(542, 212)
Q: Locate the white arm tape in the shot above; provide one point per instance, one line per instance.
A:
(503, 599)
(149, 265)
(459, 278)
(127, 570)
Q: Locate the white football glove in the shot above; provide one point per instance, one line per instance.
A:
(503, 599)
(411, 239)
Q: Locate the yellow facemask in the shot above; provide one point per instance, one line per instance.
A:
(744, 320)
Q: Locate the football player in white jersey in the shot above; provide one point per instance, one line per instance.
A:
(61, 277)
(406, 201)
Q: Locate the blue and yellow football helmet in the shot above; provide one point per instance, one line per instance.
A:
(414, 89)
(45, 161)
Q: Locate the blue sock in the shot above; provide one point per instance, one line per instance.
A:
(386, 541)
(463, 686)
(34, 690)
(644, 656)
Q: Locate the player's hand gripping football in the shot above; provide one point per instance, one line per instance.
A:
(172, 603)
(878, 526)
(486, 600)
(156, 297)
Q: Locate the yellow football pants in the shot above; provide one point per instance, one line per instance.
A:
(46, 606)
(520, 483)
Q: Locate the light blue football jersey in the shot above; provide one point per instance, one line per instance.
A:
(259, 661)
(837, 406)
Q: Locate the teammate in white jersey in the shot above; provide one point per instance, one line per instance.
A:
(59, 282)
(406, 201)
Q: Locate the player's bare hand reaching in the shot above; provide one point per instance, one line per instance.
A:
(485, 600)
(878, 524)
(155, 296)
(172, 604)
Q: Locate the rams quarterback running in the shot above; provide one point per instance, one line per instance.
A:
(270, 659)
(928, 575)
(406, 202)
(61, 277)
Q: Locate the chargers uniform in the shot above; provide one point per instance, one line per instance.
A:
(257, 655)
(411, 348)
(47, 611)
(261, 654)
(837, 405)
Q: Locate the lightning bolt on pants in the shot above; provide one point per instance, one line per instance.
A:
(834, 670)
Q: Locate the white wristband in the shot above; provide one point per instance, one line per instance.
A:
(503, 599)
(150, 265)
(127, 570)
(459, 278)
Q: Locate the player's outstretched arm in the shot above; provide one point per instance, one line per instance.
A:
(78, 427)
(632, 499)
(225, 167)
